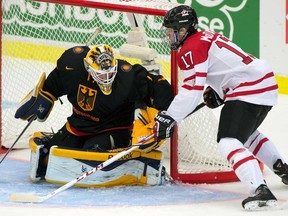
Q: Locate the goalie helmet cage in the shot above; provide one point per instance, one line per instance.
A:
(34, 35)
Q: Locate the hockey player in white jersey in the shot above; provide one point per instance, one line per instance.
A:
(244, 84)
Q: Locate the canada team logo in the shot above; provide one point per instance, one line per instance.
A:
(184, 13)
(86, 97)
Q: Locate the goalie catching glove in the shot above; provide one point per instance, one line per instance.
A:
(36, 103)
(143, 127)
(211, 98)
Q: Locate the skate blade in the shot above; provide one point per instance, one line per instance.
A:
(260, 205)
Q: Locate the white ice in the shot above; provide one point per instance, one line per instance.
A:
(274, 127)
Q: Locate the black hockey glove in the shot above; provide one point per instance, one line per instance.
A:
(211, 98)
(36, 103)
(163, 127)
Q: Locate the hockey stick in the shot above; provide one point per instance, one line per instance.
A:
(29, 123)
(199, 106)
(19, 197)
(95, 34)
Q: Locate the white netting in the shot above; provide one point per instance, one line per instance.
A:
(34, 35)
(198, 149)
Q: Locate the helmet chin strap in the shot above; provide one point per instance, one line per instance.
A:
(177, 43)
(183, 39)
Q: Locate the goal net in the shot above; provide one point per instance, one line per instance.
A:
(35, 33)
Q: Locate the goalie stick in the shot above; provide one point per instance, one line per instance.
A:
(29, 123)
(92, 38)
(95, 34)
(30, 198)
(20, 197)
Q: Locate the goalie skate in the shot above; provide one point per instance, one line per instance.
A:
(263, 199)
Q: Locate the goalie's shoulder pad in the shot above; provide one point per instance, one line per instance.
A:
(36, 103)
(140, 72)
(72, 59)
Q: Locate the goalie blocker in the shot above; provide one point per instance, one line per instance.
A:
(36, 103)
(136, 168)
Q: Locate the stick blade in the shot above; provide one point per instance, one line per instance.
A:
(25, 198)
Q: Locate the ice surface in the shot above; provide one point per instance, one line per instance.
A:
(177, 200)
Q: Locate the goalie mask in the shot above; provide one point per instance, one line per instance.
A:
(179, 23)
(101, 64)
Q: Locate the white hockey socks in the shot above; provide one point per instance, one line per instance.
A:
(263, 149)
(244, 163)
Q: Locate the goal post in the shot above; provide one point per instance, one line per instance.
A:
(35, 33)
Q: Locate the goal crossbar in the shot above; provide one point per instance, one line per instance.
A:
(112, 6)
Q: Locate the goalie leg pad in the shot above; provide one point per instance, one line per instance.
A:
(133, 169)
(34, 163)
(37, 160)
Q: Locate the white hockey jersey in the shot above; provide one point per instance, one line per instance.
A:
(208, 58)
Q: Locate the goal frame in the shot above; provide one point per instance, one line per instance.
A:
(211, 177)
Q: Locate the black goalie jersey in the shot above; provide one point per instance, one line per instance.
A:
(95, 112)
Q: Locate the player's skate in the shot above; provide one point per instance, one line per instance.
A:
(165, 177)
(281, 170)
(263, 198)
